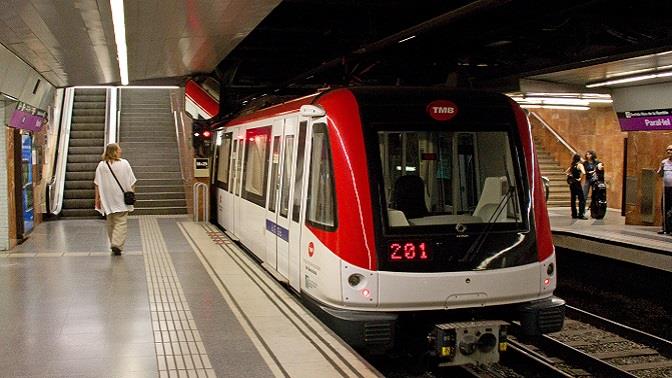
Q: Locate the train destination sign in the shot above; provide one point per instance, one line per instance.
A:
(646, 120)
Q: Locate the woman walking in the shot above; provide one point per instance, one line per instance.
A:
(574, 174)
(113, 174)
(665, 171)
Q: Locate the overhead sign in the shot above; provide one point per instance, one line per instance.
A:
(27, 117)
(646, 120)
(442, 110)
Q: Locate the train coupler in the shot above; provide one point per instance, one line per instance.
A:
(473, 342)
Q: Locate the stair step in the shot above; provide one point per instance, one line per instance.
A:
(77, 150)
(79, 185)
(149, 203)
(80, 176)
(137, 156)
(88, 119)
(79, 213)
(79, 193)
(159, 188)
(79, 203)
(86, 134)
(159, 196)
(87, 126)
(88, 112)
(82, 167)
(159, 182)
(84, 158)
(82, 142)
(158, 175)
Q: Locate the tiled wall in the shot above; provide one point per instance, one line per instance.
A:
(645, 151)
(596, 129)
(4, 188)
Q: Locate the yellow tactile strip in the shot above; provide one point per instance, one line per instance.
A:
(179, 347)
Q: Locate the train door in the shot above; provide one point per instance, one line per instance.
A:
(280, 180)
(297, 193)
(236, 179)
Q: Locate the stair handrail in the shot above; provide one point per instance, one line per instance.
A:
(554, 133)
(179, 125)
(56, 194)
(111, 114)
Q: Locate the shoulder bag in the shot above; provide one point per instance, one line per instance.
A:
(129, 197)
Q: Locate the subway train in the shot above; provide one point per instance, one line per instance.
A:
(397, 215)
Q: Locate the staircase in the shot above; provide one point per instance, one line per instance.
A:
(87, 139)
(148, 142)
(560, 195)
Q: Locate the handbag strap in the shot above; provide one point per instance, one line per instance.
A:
(115, 176)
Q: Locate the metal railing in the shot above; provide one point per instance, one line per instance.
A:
(199, 188)
(554, 133)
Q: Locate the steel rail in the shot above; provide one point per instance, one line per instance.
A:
(575, 357)
(541, 364)
(662, 346)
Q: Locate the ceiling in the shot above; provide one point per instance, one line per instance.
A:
(267, 46)
(71, 42)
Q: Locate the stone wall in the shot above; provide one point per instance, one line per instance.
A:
(596, 129)
(645, 151)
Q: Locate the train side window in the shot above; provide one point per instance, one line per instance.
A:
(321, 204)
(286, 175)
(272, 188)
(224, 161)
(257, 149)
(298, 179)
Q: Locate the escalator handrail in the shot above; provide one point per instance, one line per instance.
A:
(62, 151)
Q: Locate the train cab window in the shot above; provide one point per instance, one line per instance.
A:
(321, 205)
(223, 162)
(257, 146)
(442, 178)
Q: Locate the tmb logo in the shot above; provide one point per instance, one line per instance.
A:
(442, 110)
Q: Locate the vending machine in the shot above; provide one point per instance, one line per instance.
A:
(27, 183)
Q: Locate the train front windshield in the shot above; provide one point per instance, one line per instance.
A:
(439, 178)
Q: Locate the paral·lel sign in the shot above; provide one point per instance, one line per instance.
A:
(646, 120)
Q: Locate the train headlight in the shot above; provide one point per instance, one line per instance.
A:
(550, 269)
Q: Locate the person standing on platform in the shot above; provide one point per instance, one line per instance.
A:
(111, 173)
(594, 172)
(574, 174)
(665, 171)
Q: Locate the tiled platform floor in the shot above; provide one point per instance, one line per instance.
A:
(611, 237)
(69, 309)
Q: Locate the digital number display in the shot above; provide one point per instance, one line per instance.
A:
(408, 251)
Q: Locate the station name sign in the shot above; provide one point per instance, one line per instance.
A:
(646, 120)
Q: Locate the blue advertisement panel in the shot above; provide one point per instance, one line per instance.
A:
(27, 182)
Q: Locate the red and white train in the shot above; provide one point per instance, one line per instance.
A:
(387, 209)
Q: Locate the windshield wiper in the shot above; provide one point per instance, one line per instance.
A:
(501, 206)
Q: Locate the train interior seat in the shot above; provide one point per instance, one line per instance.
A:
(408, 196)
(494, 189)
(396, 218)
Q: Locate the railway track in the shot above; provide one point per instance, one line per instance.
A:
(590, 345)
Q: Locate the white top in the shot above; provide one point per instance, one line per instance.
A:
(111, 196)
(667, 172)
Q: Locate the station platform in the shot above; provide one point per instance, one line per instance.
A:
(182, 301)
(611, 237)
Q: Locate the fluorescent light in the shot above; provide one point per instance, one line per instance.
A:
(9, 96)
(406, 39)
(561, 107)
(120, 38)
(128, 86)
(630, 79)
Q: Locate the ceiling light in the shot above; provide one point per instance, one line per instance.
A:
(630, 79)
(406, 39)
(561, 107)
(120, 38)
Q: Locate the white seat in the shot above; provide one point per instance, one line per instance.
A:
(396, 218)
(494, 189)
